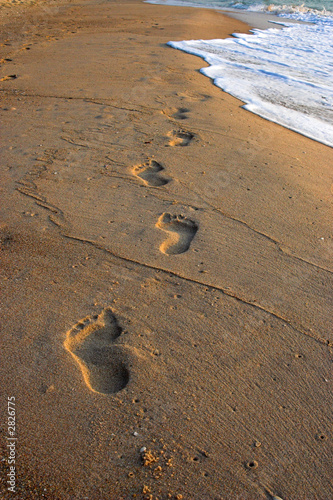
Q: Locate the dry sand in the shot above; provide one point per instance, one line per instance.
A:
(165, 266)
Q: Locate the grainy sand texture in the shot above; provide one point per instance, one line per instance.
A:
(166, 264)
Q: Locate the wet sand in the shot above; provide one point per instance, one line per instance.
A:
(166, 267)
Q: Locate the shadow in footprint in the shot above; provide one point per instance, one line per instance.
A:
(181, 232)
(103, 364)
(180, 138)
(8, 77)
(149, 173)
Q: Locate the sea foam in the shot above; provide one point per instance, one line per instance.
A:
(284, 75)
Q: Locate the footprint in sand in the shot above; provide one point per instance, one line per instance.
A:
(180, 138)
(181, 232)
(193, 97)
(91, 343)
(177, 113)
(149, 173)
(8, 77)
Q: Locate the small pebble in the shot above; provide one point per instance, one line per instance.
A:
(135, 434)
(143, 449)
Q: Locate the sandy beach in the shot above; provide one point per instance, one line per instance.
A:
(166, 268)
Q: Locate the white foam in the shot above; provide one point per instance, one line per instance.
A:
(301, 12)
(284, 75)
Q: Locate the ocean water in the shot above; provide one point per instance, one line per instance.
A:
(317, 6)
(283, 74)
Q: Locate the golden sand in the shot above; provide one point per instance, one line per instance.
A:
(165, 261)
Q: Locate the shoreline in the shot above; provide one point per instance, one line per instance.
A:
(262, 21)
(256, 20)
(165, 259)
